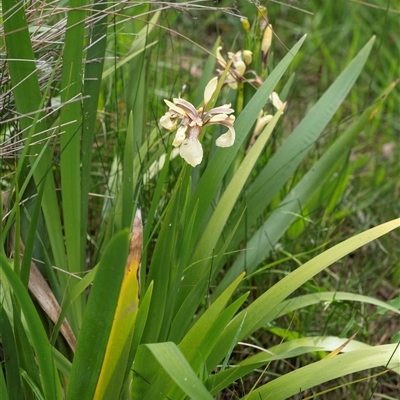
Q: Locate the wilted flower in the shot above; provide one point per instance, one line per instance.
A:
(262, 120)
(266, 40)
(247, 56)
(275, 100)
(239, 61)
(245, 24)
(192, 121)
(262, 16)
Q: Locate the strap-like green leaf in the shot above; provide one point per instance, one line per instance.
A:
(98, 319)
(70, 144)
(175, 364)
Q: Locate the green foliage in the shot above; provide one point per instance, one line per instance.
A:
(93, 151)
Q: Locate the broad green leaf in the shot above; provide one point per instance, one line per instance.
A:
(127, 175)
(214, 332)
(183, 315)
(294, 347)
(75, 292)
(3, 388)
(148, 231)
(120, 340)
(91, 90)
(145, 369)
(24, 79)
(136, 88)
(98, 319)
(21, 62)
(191, 345)
(30, 239)
(34, 389)
(62, 363)
(175, 364)
(166, 268)
(329, 299)
(131, 378)
(142, 315)
(26, 354)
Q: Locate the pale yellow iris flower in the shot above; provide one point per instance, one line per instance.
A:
(192, 121)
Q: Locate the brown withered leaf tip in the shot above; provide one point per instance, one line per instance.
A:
(135, 249)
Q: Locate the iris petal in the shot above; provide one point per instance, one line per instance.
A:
(227, 139)
(210, 89)
(187, 107)
(180, 136)
(240, 67)
(218, 118)
(177, 109)
(225, 109)
(167, 122)
(191, 151)
(275, 100)
(220, 59)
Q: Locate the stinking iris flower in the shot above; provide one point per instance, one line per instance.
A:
(192, 122)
